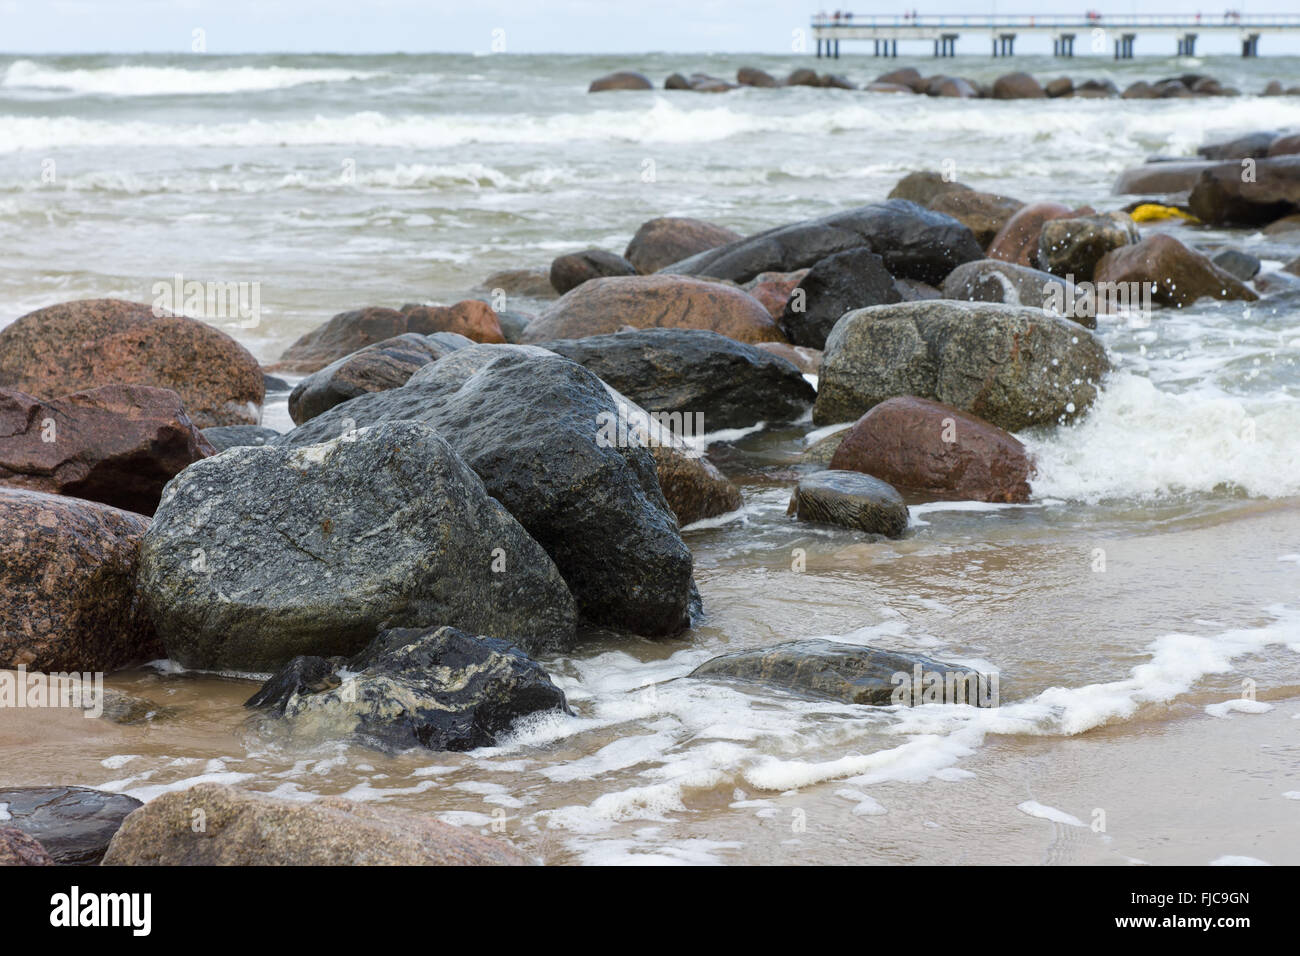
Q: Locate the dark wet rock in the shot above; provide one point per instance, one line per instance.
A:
(984, 214)
(690, 371)
(1072, 247)
(1224, 195)
(1013, 366)
(67, 585)
(836, 82)
(1139, 90)
(835, 285)
(222, 437)
(542, 433)
(1177, 276)
(914, 242)
(692, 485)
(773, 289)
(822, 450)
(73, 824)
(935, 449)
(378, 527)
(852, 500)
(1237, 263)
(992, 280)
(1094, 89)
(802, 77)
(622, 80)
(82, 345)
(350, 332)
(18, 849)
(116, 444)
(906, 76)
(377, 367)
(1250, 146)
(1163, 178)
(572, 270)
(1017, 86)
(752, 76)
(602, 306)
(676, 81)
(272, 384)
(829, 669)
(668, 239)
(439, 688)
(1017, 240)
(243, 828)
(910, 290)
(951, 86)
(526, 283)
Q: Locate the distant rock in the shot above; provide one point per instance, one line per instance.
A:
(622, 80)
(1061, 86)
(803, 77)
(752, 76)
(526, 283)
(907, 76)
(572, 270)
(668, 239)
(1017, 86)
(1164, 178)
(852, 500)
(1222, 196)
(1251, 146)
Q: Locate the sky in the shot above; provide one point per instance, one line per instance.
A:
(519, 26)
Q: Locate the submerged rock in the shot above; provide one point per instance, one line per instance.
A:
(263, 554)
(73, 824)
(850, 499)
(67, 584)
(117, 444)
(847, 672)
(929, 447)
(1012, 366)
(439, 688)
(94, 342)
(242, 828)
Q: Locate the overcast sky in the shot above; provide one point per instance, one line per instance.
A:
(528, 26)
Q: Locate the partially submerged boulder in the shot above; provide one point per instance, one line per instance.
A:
(850, 499)
(1225, 195)
(73, 824)
(621, 80)
(1174, 274)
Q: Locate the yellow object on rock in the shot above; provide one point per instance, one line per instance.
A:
(1153, 212)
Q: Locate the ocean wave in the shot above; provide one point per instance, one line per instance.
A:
(166, 80)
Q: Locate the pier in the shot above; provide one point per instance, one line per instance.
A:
(1100, 32)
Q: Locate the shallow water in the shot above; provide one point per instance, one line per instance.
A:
(1183, 482)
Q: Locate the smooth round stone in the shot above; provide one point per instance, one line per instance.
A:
(852, 500)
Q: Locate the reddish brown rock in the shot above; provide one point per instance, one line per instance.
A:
(693, 486)
(655, 301)
(1017, 86)
(118, 444)
(78, 345)
(806, 360)
(18, 849)
(1017, 240)
(908, 76)
(930, 447)
(349, 332)
(1287, 145)
(67, 585)
(668, 239)
(774, 289)
(1179, 275)
(982, 213)
(622, 80)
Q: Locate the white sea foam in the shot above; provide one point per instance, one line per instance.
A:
(1036, 809)
(129, 80)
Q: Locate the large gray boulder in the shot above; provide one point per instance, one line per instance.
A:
(263, 554)
(914, 242)
(542, 432)
(439, 688)
(730, 384)
(992, 280)
(1013, 366)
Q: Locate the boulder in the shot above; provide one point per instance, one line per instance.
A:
(773, 289)
(806, 360)
(622, 80)
(924, 186)
(93, 342)
(18, 849)
(692, 485)
(1237, 263)
(913, 291)
(544, 434)
(1017, 240)
(384, 365)
(572, 270)
(116, 444)
(837, 284)
(1095, 90)
(1061, 86)
(1017, 86)
(802, 77)
(73, 824)
(676, 81)
(1163, 178)
(850, 499)
(242, 828)
(850, 673)
(668, 239)
(907, 76)
(984, 214)
(935, 449)
(439, 688)
(1013, 366)
(67, 576)
(752, 76)
(264, 554)
(694, 372)
(878, 87)
(603, 306)
(835, 81)
(992, 280)
(914, 243)
(350, 332)
(1178, 276)
(1223, 195)
(1287, 145)
(1072, 247)
(525, 283)
(951, 86)
(222, 437)
(1139, 90)
(1249, 146)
